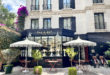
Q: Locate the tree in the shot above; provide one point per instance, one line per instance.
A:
(37, 55)
(6, 17)
(71, 53)
(7, 36)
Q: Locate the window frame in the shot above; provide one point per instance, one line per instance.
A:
(97, 1)
(47, 5)
(47, 22)
(34, 5)
(98, 19)
(36, 23)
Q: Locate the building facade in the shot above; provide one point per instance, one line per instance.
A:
(53, 22)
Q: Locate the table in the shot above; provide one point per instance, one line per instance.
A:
(23, 64)
(52, 64)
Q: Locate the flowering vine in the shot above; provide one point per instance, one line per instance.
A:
(22, 13)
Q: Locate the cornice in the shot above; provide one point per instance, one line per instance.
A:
(94, 8)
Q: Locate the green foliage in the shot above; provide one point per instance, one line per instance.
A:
(38, 69)
(109, 63)
(107, 53)
(36, 54)
(6, 17)
(10, 54)
(72, 71)
(6, 38)
(71, 53)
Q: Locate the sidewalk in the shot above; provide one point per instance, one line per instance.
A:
(63, 71)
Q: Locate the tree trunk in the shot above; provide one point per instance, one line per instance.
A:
(71, 63)
(37, 63)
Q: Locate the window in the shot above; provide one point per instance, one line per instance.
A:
(66, 4)
(47, 23)
(47, 4)
(34, 24)
(35, 5)
(97, 1)
(99, 21)
(67, 23)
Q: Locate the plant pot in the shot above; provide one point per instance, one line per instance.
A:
(8, 69)
(38, 70)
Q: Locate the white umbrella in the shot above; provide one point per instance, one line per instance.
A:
(79, 43)
(25, 43)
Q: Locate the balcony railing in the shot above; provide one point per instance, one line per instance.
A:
(66, 5)
(47, 6)
(34, 7)
(104, 28)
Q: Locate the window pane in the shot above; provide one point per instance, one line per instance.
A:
(66, 3)
(67, 23)
(47, 23)
(96, 22)
(101, 19)
(37, 2)
(35, 24)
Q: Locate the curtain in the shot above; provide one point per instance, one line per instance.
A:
(101, 19)
(96, 21)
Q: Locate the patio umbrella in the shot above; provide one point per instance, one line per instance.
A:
(25, 43)
(79, 43)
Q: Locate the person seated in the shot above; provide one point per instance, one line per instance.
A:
(95, 61)
(103, 61)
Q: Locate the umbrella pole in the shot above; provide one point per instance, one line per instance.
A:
(79, 69)
(26, 61)
(79, 56)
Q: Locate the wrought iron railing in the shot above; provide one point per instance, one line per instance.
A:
(34, 7)
(47, 6)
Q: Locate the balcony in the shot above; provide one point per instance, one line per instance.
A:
(47, 6)
(34, 7)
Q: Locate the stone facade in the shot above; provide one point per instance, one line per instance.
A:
(84, 13)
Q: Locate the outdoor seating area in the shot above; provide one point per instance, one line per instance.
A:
(54, 37)
(80, 67)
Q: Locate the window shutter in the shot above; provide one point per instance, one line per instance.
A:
(60, 4)
(73, 4)
(73, 23)
(61, 23)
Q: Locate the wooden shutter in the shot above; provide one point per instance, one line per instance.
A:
(73, 4)
(61, 23)
(73, 23)
(60, 4)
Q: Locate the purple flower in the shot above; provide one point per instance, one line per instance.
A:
(22, 11)
(2, 24)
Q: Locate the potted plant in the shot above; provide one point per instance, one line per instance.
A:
(36, 54)
(71, 53)
(9, 55)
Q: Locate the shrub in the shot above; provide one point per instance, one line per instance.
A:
(72, 71)
(109, 63)
(38, 69)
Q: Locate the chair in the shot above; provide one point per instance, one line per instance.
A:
(95, 61)
(103, 61)
(0, 65)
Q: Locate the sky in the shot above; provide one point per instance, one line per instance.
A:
(13, 5)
